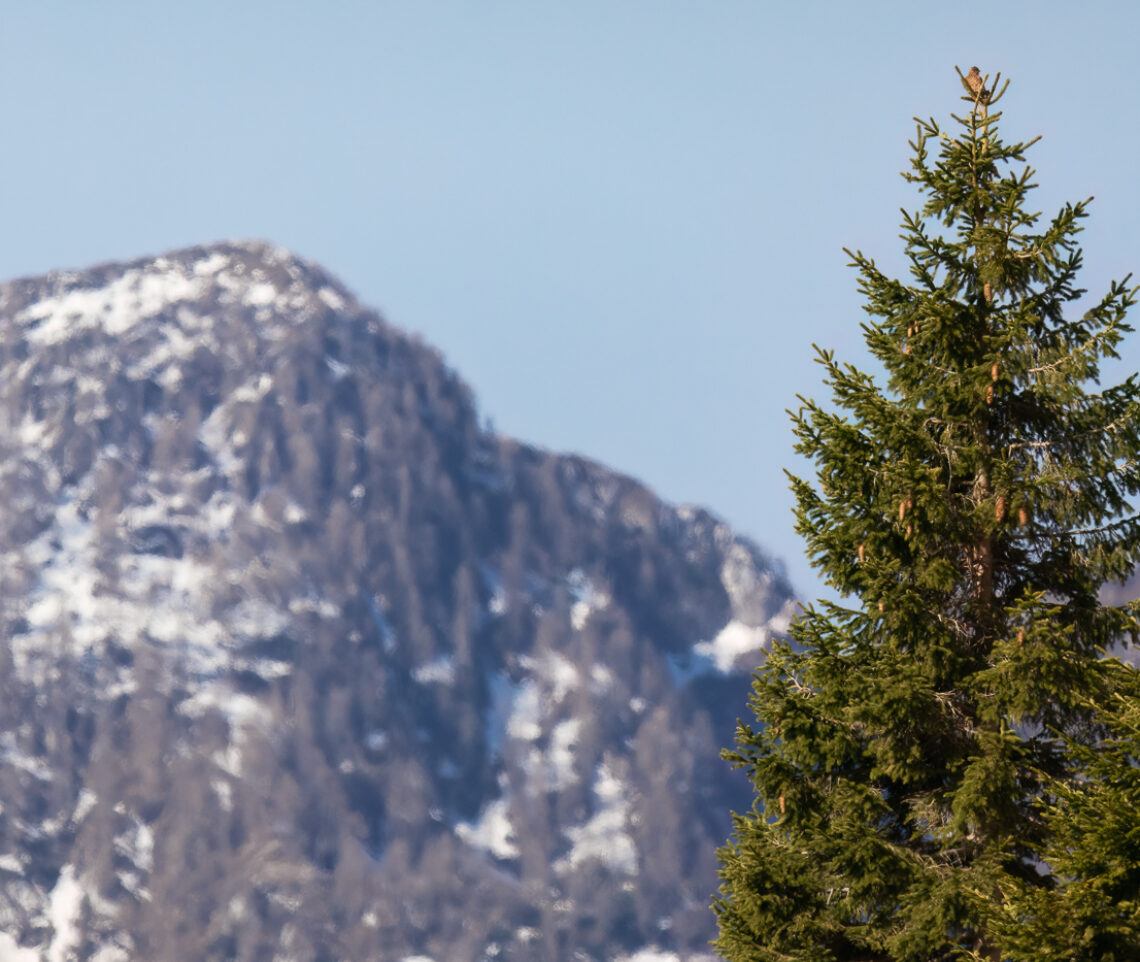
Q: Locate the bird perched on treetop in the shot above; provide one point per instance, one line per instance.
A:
(974, 81)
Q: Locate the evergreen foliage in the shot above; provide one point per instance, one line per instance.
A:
(908, 744)
(1092, 914)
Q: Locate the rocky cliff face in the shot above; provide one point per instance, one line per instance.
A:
(299, 662)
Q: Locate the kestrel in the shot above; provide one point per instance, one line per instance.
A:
(974, 82)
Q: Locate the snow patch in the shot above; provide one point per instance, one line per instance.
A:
(604, 837)
(175, 345)
(557, 672)
(525, 720)
(11, 754)
(321, 607)
(257, 618)
(557, 762)
(751, 589)
(137, 844)
(83, 805)
(601, 678)
(158, 599)
(493, 832)
(218, 437)
(31, 432)
(243, 712)
(331, 298)
(586, 598)
(111, 953)
(224, 793)
(260, 295)
(63, 910)
(10, 950)
(254, 391)
(520, 708)
(732, 641)
(780, 623)
(117, 307)
(211, 264)
(440, 672)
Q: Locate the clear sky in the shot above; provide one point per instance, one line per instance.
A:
(620, 221)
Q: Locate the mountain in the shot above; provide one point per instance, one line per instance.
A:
(299, 662)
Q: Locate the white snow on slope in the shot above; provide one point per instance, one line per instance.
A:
(521, 708)
(750, 630)
(732, 641)
(116, 308)
(64, 906)
(439, 672)
(493, 832)
(157, 601)
(586, 598)
(158, 598)
(331, 298)
(11, 952)
(605, 837)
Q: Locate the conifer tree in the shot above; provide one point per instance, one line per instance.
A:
(1092, 912)
(969, 504)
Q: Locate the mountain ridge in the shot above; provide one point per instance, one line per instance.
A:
(278, 599)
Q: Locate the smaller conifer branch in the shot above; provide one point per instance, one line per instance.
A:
(1082, 532)
(1094, 344)
(1018, 445)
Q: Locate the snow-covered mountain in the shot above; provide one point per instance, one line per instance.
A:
(299, 662)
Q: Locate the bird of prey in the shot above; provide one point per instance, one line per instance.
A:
(974, 82)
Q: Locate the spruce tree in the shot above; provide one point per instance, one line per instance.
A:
(1092, 912)
(970, 501)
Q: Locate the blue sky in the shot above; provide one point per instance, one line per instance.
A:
(621, 222)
